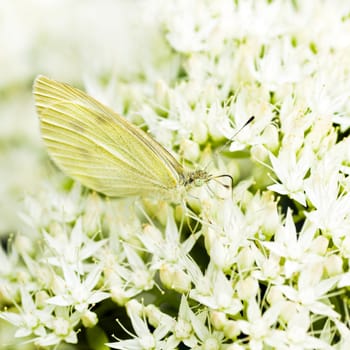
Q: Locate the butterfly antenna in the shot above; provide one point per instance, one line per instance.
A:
(215, 177)
(242, 127)
(235, 134)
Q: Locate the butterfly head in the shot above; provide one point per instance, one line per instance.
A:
(196, 178)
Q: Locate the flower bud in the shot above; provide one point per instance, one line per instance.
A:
(174, 278)
(247, 288)
(89, 319)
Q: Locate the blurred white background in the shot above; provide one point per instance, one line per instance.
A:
(68, 40)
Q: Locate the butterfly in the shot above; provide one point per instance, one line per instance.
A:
(104, 151)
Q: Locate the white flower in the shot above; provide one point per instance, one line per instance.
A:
(294, 247)
(201, 336)
(8, 262)
(183, 329)
(280, 64)
(344, 331)
(230, 228)
(216, 291)
(127, 278)
(291, 170)
(260, 327)
(79, 292)
(30, 319)
(323, 189)
(310, 292)
(169, 254)
(72, 247)
(53, 205)
(189, 26)
(269, 267)
(61, 328)
(144, 338)
(242, 110)
(298, 334)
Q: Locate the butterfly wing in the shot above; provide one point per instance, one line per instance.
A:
(99, 148)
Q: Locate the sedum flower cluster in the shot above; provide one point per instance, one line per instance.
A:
(262, 265)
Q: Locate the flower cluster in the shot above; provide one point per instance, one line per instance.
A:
(261, 266)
